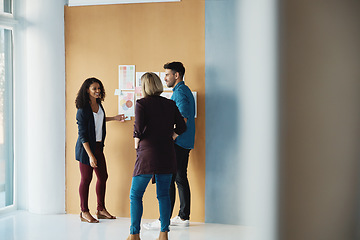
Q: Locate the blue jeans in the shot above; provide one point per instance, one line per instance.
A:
(138, 186)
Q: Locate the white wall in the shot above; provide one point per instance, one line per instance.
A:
(40, 106)
(222, 202)
(241, 114)
(20, 106)
(258, 95)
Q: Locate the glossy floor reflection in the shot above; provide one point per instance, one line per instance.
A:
(22, 225)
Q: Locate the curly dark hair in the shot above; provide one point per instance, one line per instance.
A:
(83, 96)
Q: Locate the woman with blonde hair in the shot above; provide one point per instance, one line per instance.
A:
(157, 123)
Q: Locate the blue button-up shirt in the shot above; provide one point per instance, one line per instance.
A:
(185, 102)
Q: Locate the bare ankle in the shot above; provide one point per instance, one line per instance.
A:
(133, 237)
(163, 236)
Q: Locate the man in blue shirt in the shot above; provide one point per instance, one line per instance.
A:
(174, 75)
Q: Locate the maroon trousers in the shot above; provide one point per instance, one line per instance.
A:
(86, 177)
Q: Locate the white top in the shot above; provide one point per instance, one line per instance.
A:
(99, 119)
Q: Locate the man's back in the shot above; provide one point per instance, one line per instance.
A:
(184, 100)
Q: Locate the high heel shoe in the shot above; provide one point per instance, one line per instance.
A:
(93, 220)
(102, 216)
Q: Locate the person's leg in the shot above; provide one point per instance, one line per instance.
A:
(172, 194)
(138, 186)
(102, 176)
(86, 176)
(133, 237)
(182, 158)
(162, 192)
(163, 236)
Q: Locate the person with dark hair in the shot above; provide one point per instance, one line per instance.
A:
(174, 67)
(182, 96)
(91, 120)
(157, 122)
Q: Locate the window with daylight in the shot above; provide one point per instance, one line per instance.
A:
(6, 108)
(6, 6)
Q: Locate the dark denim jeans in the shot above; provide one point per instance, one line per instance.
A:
(181, 179)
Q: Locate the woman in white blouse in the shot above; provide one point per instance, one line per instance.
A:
(91, 120)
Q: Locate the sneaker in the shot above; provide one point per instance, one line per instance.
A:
(177, 221)
(155, 225)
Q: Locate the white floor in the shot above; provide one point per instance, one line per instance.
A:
(22, 225)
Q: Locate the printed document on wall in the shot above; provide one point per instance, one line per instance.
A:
(127, 77)
(126, 104)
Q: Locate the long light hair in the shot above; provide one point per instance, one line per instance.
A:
(151, 84)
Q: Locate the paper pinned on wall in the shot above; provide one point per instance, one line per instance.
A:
(138, 93)
(138, 78)
(127, 77)
(127, 104)
(137, 89)
(195, 99)
(166, 94)
(130, 90)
